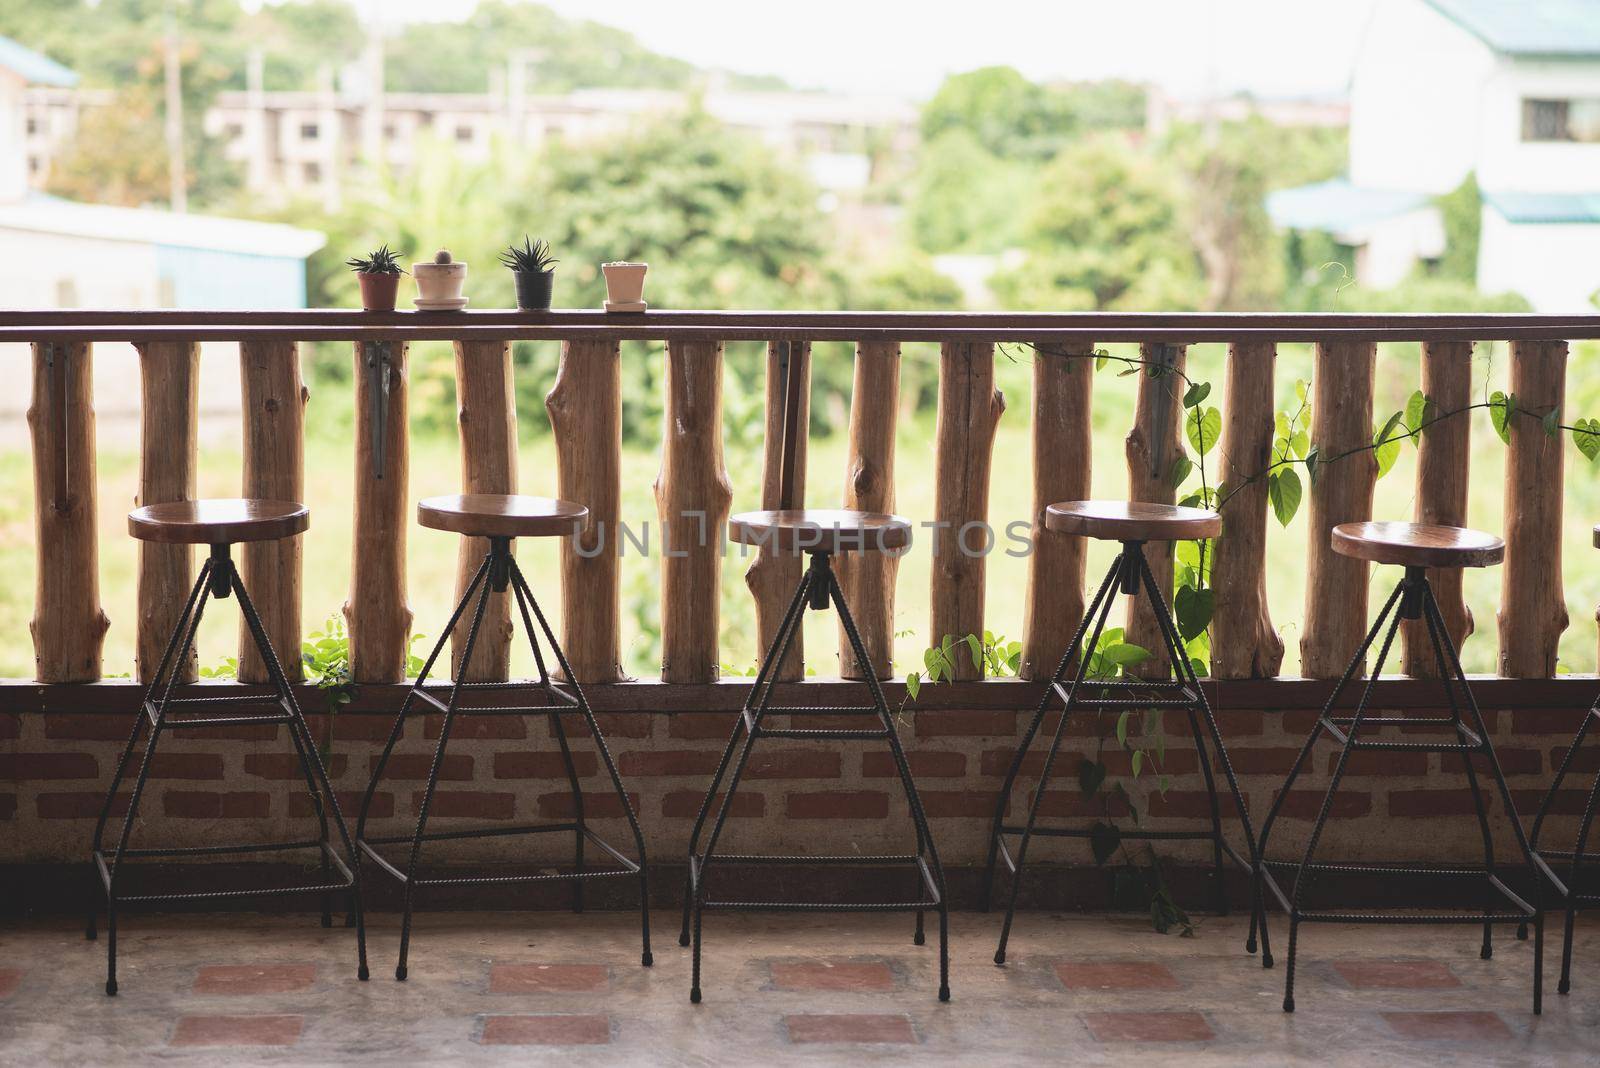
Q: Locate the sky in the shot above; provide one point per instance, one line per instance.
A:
(1271, 47)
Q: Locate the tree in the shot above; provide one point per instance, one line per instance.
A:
(1014, 118)
(965, 198)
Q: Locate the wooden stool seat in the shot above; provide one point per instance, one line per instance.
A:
(1418, 545)
(218, 521)
(832, 530)
(502, 515)
(1131, 521)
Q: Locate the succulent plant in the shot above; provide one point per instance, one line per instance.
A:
(381, 261)
(533, 257)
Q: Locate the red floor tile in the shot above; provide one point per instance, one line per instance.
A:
(833, 975)
(547, 978)
(551, 1030)
(254, 978)
(851, 1027)
(237, 1031)
(1116, 975)
(1456, 1026)
(1148, 1026)
(10, 979)
(1396, 974)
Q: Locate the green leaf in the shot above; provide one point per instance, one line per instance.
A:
(1091, 774)
(1193, 608)
(1416, 414)
(913, 685)
(1125, 654)
(1586, 435)
(1552, 422)
(1104, 839)
(1180, 471)
(1283, 490)
(1313, 459)
(1196, 393)
(1387, 446)
(1137, 762)
(1122, 727)
(1204, 427)
(1501, 405)
(975, 646)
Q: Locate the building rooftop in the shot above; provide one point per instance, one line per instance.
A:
(153, 226)
(1337, 205)
(1546, 207)
(1567, 28)
(33, 67)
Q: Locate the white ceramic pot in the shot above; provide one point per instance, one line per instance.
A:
(624, 282)
(439, 281)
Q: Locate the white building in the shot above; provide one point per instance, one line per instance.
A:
(1509, 91)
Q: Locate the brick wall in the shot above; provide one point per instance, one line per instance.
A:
(233, 783)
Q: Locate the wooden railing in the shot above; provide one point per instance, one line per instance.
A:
(693, 494)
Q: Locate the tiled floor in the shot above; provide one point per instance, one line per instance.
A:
(538, 987)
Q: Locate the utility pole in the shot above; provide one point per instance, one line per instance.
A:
(177, 178)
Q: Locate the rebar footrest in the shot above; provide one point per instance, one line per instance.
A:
(346, 877)
(930, 884)
(181, 705)
(1337, 728)
(629, 866)
(1523, 911)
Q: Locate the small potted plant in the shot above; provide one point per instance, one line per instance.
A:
(379, 274)
(439, 282)
(624, 286)
(533, 269)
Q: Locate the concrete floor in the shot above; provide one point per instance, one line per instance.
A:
(537, 987)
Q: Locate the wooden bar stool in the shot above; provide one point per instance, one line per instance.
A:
(820, 534)
(1576, 858)
(1415, 547)
(501, 518)
(1132, 524)
(220, 523)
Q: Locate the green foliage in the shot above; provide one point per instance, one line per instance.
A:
(965, 198)
(1014, 118)
(1461, 211)
(382, 260)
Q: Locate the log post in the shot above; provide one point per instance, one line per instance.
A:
(274, 402)
(169, 375)
(486, 414)
(1341, 492)
(68, 626)
(585, 408)
(1063, 382)
(772, 575)
(969, 411)
(867, 579)
(1533, 609)
(1443, 455)
(1244, 644)
(692, 500)
(1152, 447)
(377, 614)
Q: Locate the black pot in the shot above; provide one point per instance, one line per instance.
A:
(534, 289)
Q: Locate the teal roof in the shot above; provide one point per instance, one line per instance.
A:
(34, 68)
(1546, 207)
(1336, 205)
(1529, 27)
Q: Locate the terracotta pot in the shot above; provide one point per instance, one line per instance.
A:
(439, 281)
(378, 291)
(624, 282)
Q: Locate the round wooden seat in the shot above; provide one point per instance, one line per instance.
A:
(829, 530)
(1131, 521)
(502, 515)
(1418, 545)
(218, 521)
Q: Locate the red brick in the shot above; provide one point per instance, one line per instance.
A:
(611, 725)
(8, 806)
(237, 1031)
(239, 979)
(1512, 761)
(551, 1029)
(943, 724)
(470, 728)
(925, 764)
(1116, 975)
(286, 766)
(352, 726)
(1231, 723)
(20, 767)
(851, 722)
(1448, 1026)
(349, 804)
(1566, 803)
(1148, 1027)
(528, 764)
(1305, 804)
(1457, 802)
(1396, 974)
(597, 805)
(685, 804)
(1297, 723)
(838, 805)
(11, 726)
(949, 804)
(1194, 804)
(211, 804)
(870, 976)
(10, 980)
(701, 725)
(88, 726)
(794, 764)
(548, 978)
(180, 766)
(413, 767)
(78, 805)
(237, 732)
(851, 1027)
(1071, 804)
(662, 763)
(1381, 763)
(1587, 760)
(1544, 721)
(467, 804)
(1271, 760)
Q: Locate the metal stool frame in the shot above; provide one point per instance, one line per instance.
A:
(818, 587)
(1567, 888)
(1412, 599)
(497, 573)
(1129, 574)
(219, 579)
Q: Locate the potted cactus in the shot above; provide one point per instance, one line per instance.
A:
(533, 269)
(439, 282)
(379, 274)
